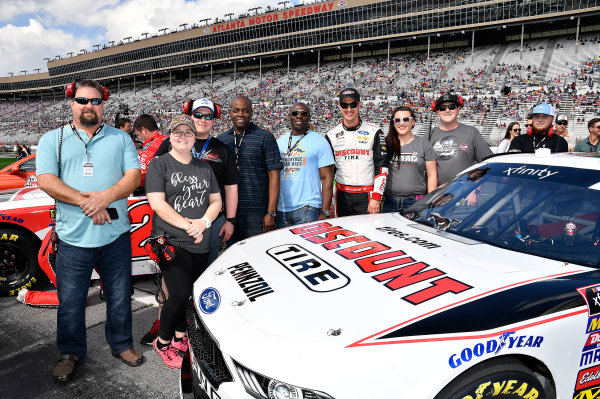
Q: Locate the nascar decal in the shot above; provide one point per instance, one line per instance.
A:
(315, 273)
(493, 346)
(253, 285)
(401, 270)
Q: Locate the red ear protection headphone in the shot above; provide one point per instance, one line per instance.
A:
(187, 108)
(461, 103)
(71, 88)
(158, 249)
(551, 132)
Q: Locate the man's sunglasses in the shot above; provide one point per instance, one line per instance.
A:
(186, 133)
(451, 107)
(406, 119)
(353, 104)
(85, 100)
(296, 113)
(563, 123)
(199, 115)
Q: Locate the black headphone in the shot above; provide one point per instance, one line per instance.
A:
(71, 88)
(187, 108)
(461, 103)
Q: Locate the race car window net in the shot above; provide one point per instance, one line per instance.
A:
(541, 210)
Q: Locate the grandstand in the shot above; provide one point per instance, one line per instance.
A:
(393, 52)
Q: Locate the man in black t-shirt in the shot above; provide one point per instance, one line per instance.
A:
(541, 134)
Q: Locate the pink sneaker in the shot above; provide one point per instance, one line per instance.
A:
(181, 346)
(169, 355)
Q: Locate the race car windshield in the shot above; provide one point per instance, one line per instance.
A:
(549, 211)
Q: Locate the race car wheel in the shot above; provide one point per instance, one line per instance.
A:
(19, 266)
(501, 379)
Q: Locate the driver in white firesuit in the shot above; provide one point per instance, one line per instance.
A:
(359, 151)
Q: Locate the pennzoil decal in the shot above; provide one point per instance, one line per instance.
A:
(315, 273)
(395, 269)
(252, 283)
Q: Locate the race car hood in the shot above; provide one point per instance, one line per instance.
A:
(13, 198)
(358, 281)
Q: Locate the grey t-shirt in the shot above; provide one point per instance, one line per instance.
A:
(457, 150)
(406, 172)
(187, 188)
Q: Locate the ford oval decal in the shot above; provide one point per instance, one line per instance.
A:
(209, 300)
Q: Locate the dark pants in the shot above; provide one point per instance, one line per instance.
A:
(347, 204)
(391, 203)
(248, 225)
(74, 267)
(179, 275)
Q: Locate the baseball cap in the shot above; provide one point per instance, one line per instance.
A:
(203, 102)
(350, 92)
(562, 118)
(544, 109)
(447, 98)
(181, 120)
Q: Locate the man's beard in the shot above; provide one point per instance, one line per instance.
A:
(88, 119)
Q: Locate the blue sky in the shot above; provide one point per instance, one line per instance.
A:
(31, 30)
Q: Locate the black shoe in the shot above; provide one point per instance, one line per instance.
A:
(151, 335)
(65, 368)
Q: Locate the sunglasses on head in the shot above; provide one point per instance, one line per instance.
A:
(184, 133)
(353, 104)
(451, 107)
(296, 113)
(406, 119)
(85, 100)
(199, 115)
(563, 123)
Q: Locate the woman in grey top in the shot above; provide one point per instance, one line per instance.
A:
(185, 197)
(412, 167)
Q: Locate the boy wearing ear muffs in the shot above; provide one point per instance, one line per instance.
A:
(541, 134)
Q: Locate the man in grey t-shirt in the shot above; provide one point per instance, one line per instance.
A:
(456, 145)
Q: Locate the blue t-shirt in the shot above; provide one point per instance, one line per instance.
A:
(300, 181)
(111, 152)
(258, 154)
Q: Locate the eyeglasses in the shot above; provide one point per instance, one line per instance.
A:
(563, 123)
(451, 107)
(516, 130)
(353, 104)
(296, 113)
(199, 115)
(406, 119)
(185, 133)
(85, 100)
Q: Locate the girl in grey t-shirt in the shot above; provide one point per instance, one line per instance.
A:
(185, 197)
(412, 169)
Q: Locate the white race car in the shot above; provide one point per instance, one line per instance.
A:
(487, 287)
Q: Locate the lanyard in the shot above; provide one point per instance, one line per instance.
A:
(195, 153)
(84, 143)
(538, 144)
(237, 147)
(290, 148)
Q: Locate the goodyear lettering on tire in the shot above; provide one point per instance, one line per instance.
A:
(504, 387)
(28, 285)
(12, 237)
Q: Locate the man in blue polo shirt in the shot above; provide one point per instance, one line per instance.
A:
(89, 169)
(258, 161)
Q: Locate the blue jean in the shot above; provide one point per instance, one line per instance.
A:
(74, 267)
(215, 239)
(304, 214)
(392, 203)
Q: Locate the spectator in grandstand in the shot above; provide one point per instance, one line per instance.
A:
(561, 129)
(306, 183)
(258, 162)
(512, 131)
(359, 151)
(412, 167)
(541, 134)
(97, 170)
(146, 128)
(184, 195)
(591, 143)
(456, 145)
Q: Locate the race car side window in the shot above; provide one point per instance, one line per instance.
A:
(28, 166)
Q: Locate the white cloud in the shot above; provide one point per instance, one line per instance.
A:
(59, 26)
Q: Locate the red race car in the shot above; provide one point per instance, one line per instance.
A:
(19, 174)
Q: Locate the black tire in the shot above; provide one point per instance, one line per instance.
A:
(500, 379)
(19, 266)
